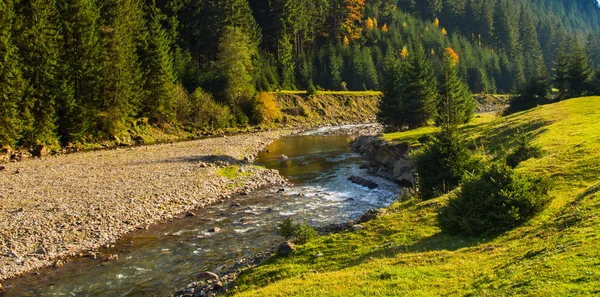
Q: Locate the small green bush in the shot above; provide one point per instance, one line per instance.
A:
(498, 200)
(301, 233)
(443, 162)
(304, 233)
(523, 151)
(286, 228)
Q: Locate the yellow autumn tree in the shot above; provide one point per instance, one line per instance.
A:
(346, 41)
(404, 52)
(370, 24)
(452, 56)
(265, 109)
(384, 28)
(352, 23)
(444, 32)
(436, 23)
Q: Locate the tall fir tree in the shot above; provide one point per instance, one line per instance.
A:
(420, 92)
(122, 93)
(157, 60)
(235, 61)
(561, 74)
(78, 107)
(11, 81)
(579, 71)
(39, 42)
(456, 104)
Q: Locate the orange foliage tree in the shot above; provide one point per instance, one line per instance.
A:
(352, 24)
(452, 56)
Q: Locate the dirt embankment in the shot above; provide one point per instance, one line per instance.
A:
(327, 109)
(67, 205)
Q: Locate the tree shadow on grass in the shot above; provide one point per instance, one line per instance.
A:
(503, 137)
(438, 242)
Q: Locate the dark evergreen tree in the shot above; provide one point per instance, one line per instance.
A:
(39, 42)
(561, 74)
(122, 93)
(79, 106)
(157, 60)
(579, 71)
(456, 104)
(11, 82)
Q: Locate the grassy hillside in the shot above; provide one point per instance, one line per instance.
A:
(404, 252)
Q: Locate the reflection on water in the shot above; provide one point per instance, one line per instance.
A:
(164, 258)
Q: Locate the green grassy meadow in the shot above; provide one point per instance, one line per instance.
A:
(404, 253)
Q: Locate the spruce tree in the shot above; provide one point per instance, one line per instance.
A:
(391, 109)
(11, 82)
(286, 62)
(123, 79)
(561, 74)
(235, 63)
(39, 42)
(371, 79)
(157, 60)
(79, 106)
(456, 104)
(419, 94)
(579, 71)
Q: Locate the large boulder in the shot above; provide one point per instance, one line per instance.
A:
(285, 249)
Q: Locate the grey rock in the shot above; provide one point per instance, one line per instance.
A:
(285, 249)
(357, 227)
(207, 276)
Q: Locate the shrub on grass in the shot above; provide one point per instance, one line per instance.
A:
(301, 233)
(443, 162)
(524, 151)
(498, 200)
(311, 90)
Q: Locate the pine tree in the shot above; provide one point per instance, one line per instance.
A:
(534, 66)
(371, 78)
(39, 42)
(122, 94)
(579, 71)
(336, 65)
(79, 106)
(456, 105)
(286, 62)
(235, 62)
(419, 95)
(391, 109)
(11, 82)
(561, 74)
(157, 60)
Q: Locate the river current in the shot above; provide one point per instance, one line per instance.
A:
(166, 257)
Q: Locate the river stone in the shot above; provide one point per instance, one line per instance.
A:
(207, 276)
(357, 227)
(407, 180)
(2, 289)
(215, 230)
(285, 249)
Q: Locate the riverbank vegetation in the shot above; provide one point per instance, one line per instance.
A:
(406, 252)
(85, 71)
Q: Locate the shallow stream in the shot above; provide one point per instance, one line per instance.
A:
(166, 257)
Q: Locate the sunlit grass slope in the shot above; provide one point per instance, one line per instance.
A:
(404, 253)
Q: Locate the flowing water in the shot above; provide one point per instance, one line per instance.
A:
(166, 257)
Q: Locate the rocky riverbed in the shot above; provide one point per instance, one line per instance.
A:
(62, 206)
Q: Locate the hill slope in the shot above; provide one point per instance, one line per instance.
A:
(404, 252)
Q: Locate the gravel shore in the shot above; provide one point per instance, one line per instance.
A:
(70, 205)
